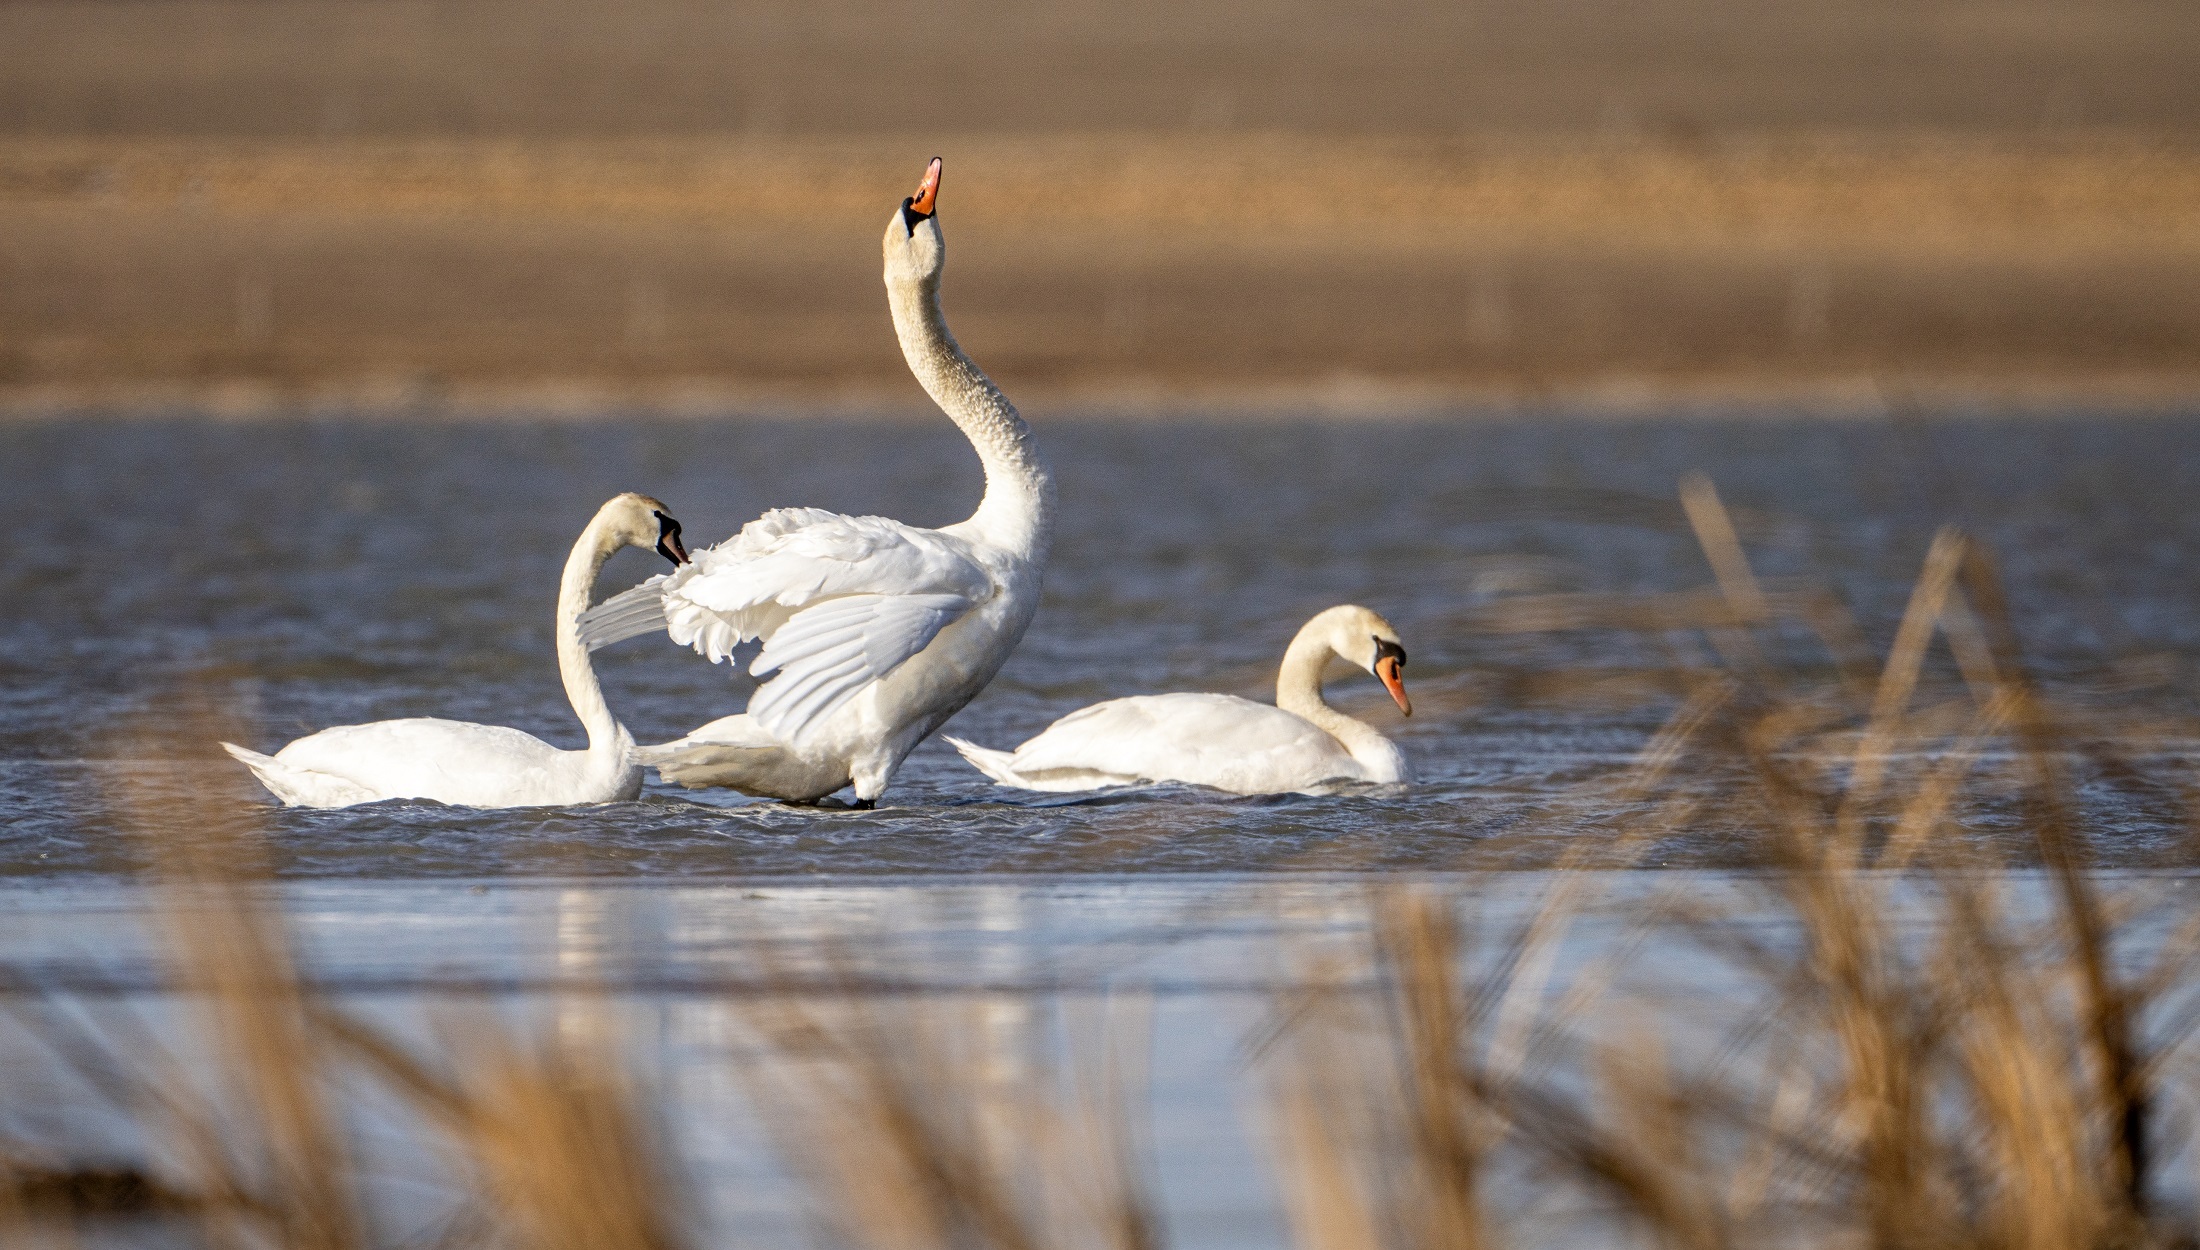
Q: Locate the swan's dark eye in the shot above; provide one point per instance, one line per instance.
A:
(910, 216)
(1384, 648)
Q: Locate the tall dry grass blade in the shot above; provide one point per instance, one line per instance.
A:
(894, 1110)
(1324, 1194)
(552, 1136)
(1723, 548)
(1418, 940)
(1660, 1124)
(1515, 988)
(1326, 1108)
(566, 1157)
(1897, 685)
(1118, 1138)
(1928, 804)
(2027, 1089)
(1883, 1085)
(2122, 1070)
(228, 949)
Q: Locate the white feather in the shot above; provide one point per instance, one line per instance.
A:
(628, 614)
(1215, 740)
(840, 601)
(874, 632)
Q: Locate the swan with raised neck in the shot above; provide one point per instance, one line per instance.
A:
(874, 632)
(1017, 511)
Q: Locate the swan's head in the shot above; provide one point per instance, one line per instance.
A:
(914, 250)
(1366, 639)
(640, 521)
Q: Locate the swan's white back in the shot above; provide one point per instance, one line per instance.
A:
(1299, 744)
(1216, 740)
(455, 762)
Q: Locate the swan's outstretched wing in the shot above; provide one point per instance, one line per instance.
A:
(840, 601)
(628, 614)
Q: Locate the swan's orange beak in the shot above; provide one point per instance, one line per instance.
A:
(1389, 670)
(927, 191)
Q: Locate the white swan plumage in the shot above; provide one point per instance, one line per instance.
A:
(472, 765)
(1298, 744)
(874, 632)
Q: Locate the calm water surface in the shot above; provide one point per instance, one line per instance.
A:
(171, 580)
(174, 581)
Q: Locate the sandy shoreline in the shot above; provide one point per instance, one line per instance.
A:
(1262, 272)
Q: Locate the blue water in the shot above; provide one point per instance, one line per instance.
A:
(171, 581)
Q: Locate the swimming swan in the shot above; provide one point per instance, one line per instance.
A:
(489, 765)
(874, 632)
(1300, 744)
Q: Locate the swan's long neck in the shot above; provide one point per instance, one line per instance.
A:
(578, 582)
(1018, 509)
(1299, 692)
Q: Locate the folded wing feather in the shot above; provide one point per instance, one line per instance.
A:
(826, 654)
(840, 601)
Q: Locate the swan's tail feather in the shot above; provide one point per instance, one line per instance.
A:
(735, 731)
(250, 759)
(300, 787)
(711, 765)
(628, 614)
(729, 752)
(999, 765)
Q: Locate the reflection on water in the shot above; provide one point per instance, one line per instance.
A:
(324, 572)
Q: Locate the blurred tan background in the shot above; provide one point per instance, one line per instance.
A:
(414, 203)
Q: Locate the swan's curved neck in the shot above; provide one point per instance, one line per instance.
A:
(1299, 692)
(594, 546)
(1018, 509)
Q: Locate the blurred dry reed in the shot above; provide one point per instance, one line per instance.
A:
(1916, 1058)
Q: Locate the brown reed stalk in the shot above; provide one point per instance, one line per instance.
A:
(1418, 941)
(551, 1144)
(898, 1118)
(280, 1166)
(2108, 1011)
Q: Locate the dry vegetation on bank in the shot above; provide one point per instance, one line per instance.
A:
(1092, 269)
(406, 205)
